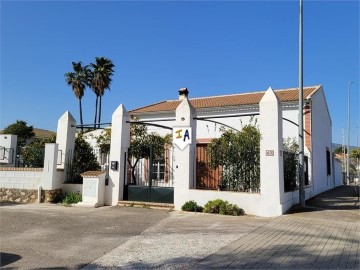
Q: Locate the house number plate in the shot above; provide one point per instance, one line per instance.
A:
(269, 153)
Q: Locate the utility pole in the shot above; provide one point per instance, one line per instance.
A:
(348, 139)
(301, 110)
(344, 153)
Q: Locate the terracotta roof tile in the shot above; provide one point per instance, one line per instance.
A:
(285, 95)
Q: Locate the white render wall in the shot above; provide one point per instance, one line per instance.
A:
(21, 178)
(120, 142)
(250, 202)
(321, 139)
(338, 178)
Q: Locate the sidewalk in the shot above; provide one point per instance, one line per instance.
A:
(324, 235)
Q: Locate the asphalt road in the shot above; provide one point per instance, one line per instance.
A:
(45, 236)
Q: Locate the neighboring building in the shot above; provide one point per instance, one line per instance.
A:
(41, 134)
(235, 110)
(92, 138)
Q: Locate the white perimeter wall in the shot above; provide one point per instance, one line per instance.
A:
(250, 202)
(21, 178)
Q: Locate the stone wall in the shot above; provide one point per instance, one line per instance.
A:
(18, 195)
(29, 195)
(51, 196)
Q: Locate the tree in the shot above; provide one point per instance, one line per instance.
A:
(22, 130)
(103, 141)
(290, 158)
(78, 80)
(33, 154)
(83, 160)
(355, 153)
(339, 150)
(101, 80)
(238, 153)
(140, 144)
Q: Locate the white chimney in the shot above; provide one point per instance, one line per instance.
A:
(183, 93)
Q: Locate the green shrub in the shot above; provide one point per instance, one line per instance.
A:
(221, 207)
(215, 206)
(191, 206)
(72, 198)
(234, 210)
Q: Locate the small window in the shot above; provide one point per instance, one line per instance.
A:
(159, 169)
(328, 161)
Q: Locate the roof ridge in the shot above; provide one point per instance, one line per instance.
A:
(250, 93)
(285, 94)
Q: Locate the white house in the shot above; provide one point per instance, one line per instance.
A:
(235, 110)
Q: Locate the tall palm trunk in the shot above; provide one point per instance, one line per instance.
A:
(81, 117)
(96, 106)
(99, 118)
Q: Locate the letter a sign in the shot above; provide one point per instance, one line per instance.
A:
(182, 136)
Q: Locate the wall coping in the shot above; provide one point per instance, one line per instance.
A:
(92, 173)
(21, 169)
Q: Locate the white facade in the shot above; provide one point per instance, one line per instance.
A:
(318, 141)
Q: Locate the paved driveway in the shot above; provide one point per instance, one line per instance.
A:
(35, 236)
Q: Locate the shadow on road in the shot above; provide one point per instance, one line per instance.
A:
(339, 198)
(7, 258)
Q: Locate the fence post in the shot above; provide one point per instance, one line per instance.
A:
(120, 142)
(185, 159)
(271, 155)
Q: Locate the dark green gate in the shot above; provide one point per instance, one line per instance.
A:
(151, 180)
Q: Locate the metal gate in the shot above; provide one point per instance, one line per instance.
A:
(151, 180)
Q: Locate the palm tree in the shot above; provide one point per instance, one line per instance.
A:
(101, 80)
(78, 80)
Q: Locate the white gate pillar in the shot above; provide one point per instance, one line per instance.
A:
(185, 159)
(65, 138)
(50, 181)
(120, 142)
(271, 155)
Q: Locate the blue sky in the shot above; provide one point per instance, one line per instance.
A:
(210, 47)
